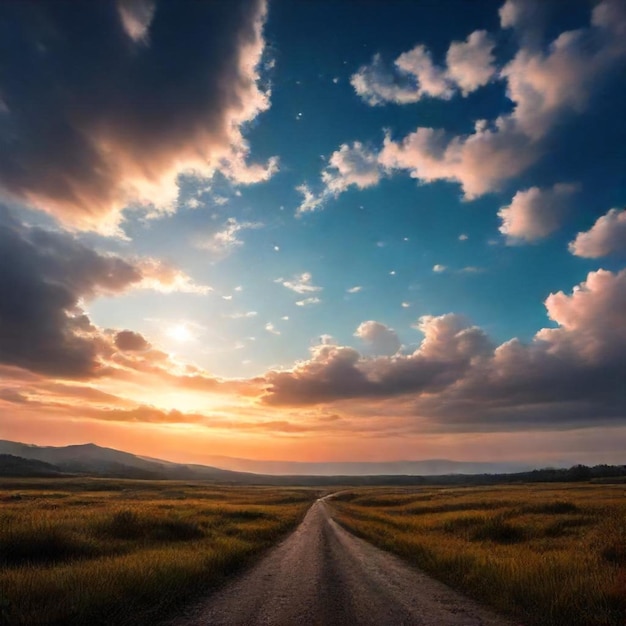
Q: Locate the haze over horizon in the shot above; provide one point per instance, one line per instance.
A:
(315, 232)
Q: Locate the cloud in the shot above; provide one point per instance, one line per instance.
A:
(380, 338)
(479, 162)
(245, 315)
(526, 17)
(568, 376)
(310, 202)
(45, 277)
(226, 240)
(160, 276)
(270, 328)
(129, 340)
(606, 237)
(354, 289)
(376, 84)
(429, 80)
(136, 17)
(535, 213)
(544, 85)
(98, 128)
(439, 268)
(308, 301)
(470, 65)
(300, 283)
(339, 372)
(350, 165)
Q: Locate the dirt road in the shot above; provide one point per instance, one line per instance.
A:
(321, 575)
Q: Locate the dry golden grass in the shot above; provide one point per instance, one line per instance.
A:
(551, 555)
(128, 552)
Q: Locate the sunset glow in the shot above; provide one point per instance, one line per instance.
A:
(306, 232)
(180, 333)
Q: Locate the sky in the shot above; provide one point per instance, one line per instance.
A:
(315, 231)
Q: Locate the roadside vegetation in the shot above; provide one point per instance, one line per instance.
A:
(550, 555)
(94, 551)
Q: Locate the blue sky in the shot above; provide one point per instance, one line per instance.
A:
(359, 238)
(328, 179)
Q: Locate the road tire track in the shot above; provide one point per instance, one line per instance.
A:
(322, 575)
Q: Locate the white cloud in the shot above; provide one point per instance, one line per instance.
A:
(270, 328)
(535, 213)
(310, 202)
(479, 162)
(429, 79)
(377, 85)
(471, 62)
(308, 301)
(543, 86)
(439, 268)
(470, 65)
(301, 283)
(463, 237)
(525, 16)
(354, 289)
(226, 240)
(162, 277)
(244, 315)
(606, 237)
(350, 165)
(380, 338)
(136, 17)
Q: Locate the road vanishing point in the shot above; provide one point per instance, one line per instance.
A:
(322, 575)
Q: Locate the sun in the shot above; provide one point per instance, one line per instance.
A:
(180, 333)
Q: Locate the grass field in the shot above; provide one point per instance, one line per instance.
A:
(551, 555)
(128, 552)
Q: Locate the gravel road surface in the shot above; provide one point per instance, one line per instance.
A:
(321, 575)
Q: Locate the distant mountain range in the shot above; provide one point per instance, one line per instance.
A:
(26, 460)
(17, 466)
(92, 459)
(430, 467)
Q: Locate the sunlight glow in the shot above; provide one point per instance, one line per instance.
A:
(180, 333)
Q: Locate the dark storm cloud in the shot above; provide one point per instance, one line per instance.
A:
(103, 103)
(44, 276)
